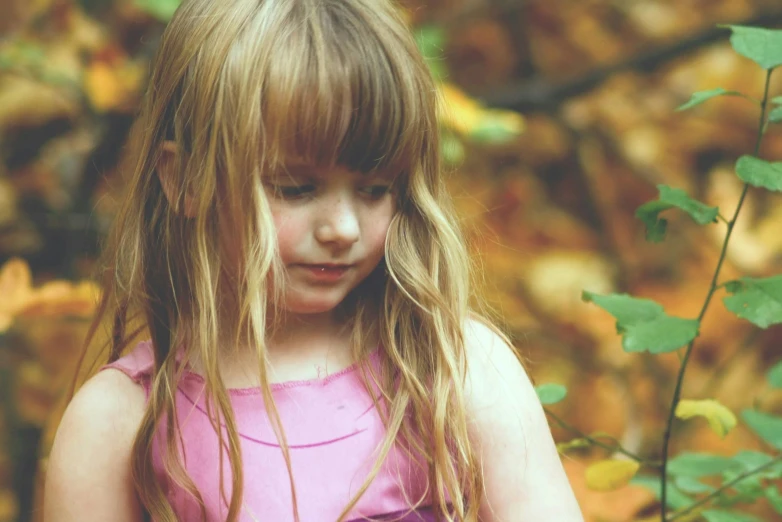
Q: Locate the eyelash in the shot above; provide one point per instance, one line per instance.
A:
(373, 192)
(293, 192)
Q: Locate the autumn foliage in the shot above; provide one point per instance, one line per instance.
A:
(567, 160)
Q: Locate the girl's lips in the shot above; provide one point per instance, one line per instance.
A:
(326, 273)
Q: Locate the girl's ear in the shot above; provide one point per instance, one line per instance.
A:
(165, 172)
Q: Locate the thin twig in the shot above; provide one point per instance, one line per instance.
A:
(596, 442)
(712, 289)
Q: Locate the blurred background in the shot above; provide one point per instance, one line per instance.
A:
(560, 123)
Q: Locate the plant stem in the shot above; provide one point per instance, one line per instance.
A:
(596, 442)
(707, 498)
(712, 288)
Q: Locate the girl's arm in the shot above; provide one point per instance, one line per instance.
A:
(523, 473)
(88, 475)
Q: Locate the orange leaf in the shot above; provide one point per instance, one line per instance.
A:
(62, 298)
(113, 86)
(16, 289)
(102, 87)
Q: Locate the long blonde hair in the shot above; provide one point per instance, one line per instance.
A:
(239, 85)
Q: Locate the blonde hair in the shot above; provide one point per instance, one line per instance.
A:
(239, 85)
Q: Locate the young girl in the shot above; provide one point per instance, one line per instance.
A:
(287, 244)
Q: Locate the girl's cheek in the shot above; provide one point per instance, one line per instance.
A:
(289, 233)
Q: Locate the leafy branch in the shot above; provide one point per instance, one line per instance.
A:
(645, 326)
(727, 485)
(712, 289)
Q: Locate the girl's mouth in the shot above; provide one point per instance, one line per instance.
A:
(326, 273)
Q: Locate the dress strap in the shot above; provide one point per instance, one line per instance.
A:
(138, 364)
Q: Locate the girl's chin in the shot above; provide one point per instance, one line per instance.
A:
(312, 304)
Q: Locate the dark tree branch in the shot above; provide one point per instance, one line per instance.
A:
(538, 94)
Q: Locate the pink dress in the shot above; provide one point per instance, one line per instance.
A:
(333, 431)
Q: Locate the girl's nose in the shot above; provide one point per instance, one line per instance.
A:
(339, 224)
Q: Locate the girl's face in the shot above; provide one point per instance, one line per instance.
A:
(331, 229)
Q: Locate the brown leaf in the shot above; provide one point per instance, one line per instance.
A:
(34, 394)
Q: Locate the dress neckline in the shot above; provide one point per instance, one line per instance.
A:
(372, 358)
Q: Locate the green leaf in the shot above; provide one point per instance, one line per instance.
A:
(762, 46)
(675, 498)
(699, 212)
(431, 40)
(749, 460)
(718, 515)
(701, 96)
(760, 173)
(493, 131)
(767, 427)
(163, 10)
(774, 375)
(655, 226)
(695, 465)
(669, 198)
(660, 335)
(775, 116)
(452, 149)
(497, 127)
(551, 393)
(692, 485)
(625, 308)
(774, 498)
(756, 300)
(748, 489)
(644, 324)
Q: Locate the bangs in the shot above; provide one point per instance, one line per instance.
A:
(346, 98)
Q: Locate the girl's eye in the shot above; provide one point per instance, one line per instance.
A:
(376, 191)
(293, 191)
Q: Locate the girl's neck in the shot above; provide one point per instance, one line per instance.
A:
(300, 347)
(293, 329)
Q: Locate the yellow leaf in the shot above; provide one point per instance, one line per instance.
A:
(562, 447)
(16, 289)
(464, 114)
(8, 505)
(720, 418)
(102, 87)
(63, 298)
(460, 112)
(113, 87)
(608, 475)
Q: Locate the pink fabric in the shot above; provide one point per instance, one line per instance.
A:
(333, 431)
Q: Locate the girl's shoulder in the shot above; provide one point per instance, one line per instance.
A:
(92, 451)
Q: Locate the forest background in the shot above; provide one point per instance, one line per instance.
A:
(561, 123)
